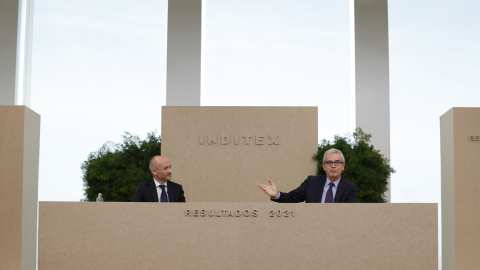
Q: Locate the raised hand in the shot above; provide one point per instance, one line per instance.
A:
(270, 190)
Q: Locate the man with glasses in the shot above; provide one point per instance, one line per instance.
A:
(330, 188)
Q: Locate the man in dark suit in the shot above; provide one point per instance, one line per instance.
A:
(159, 188)
(332, 188)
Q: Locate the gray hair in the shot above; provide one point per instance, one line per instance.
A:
(333, 151)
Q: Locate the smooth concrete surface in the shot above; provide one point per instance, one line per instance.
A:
(460, 148)
(89, 235)
(372, 94)
(184, 42)
(219, 154)
(19, 155)
(8, 50)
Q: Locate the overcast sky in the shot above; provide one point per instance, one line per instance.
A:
(99, 70)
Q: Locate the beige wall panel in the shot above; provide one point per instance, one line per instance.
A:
(229, 172)
(19, 145)
(465, 202)
(11, 174)
(149, 235)
(467, 188)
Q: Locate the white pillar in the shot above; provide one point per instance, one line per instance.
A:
(16, 22)
(372, 100)
(184, 52)
(8, 50)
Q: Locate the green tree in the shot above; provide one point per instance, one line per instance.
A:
(116, 169)
(364, 165)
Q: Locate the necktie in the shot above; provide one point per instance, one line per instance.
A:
(329, 197)
(163, 197)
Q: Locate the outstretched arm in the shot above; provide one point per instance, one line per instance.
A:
(270, 190)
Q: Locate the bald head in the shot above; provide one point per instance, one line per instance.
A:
(161, 169)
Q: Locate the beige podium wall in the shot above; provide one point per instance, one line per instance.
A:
(19, 153)
(460, 148)
(219, 154)
(89, 235)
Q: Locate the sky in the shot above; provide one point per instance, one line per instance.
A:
(99, 69)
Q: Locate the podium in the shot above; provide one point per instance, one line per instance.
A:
(88, 235)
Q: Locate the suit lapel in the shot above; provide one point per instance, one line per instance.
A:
(320, 187)
(172, 192)
(340, 189)
(153, 190)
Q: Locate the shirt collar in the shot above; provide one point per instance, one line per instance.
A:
(158, 183)
(335, 183)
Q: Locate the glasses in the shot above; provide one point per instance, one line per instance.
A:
(330, 163)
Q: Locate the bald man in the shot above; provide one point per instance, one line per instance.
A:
(159, 188)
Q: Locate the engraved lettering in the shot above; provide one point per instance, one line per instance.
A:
(224, 140)
(281, 213)
(211, 139)
(259, 140)
(474, 138)
(243, 139)
(273, 139)
(247, 139)
(236, 213)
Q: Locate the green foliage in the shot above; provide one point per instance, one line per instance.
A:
(364, 165)
(116, 169)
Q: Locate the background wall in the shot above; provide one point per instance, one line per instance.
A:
(219, 154)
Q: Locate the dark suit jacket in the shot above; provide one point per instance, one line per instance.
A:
(147, 192)
(311, 191)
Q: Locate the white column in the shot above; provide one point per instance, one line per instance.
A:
(16, 22)
(184, 52)
(8, 52)
(372, 100)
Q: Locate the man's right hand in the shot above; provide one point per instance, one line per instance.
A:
(270, 190)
